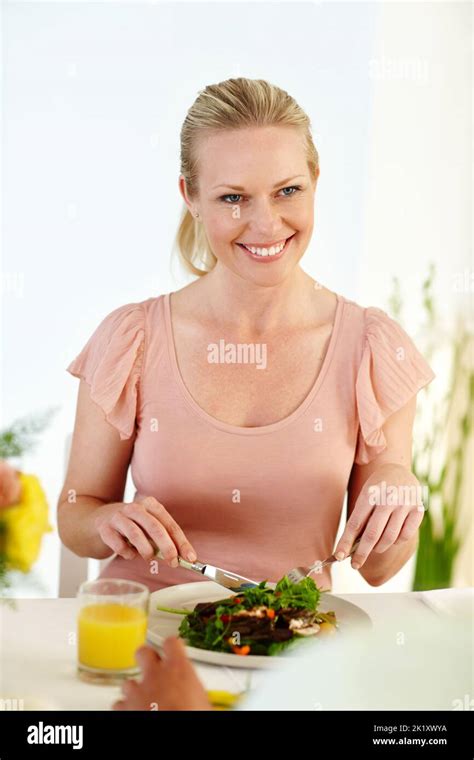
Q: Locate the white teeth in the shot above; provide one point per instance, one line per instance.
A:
(272, 251)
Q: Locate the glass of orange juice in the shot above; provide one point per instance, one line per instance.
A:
(112, 624)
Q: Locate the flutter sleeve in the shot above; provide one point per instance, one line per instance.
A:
(111, 364)
(391, 372)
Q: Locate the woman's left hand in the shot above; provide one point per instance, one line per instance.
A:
(387, 513)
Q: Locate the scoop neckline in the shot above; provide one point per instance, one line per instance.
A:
(260, 429)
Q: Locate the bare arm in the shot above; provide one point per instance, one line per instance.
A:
(390, 533)
(96, 476)
(93, 520)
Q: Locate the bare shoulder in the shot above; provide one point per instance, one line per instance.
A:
(187, 300)
(356, 313)
(327, 303)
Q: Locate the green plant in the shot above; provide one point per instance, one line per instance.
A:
(441, 447)
(19, 437)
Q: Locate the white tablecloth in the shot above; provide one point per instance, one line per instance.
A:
(38, 647)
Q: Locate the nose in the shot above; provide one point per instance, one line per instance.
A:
(264, 219)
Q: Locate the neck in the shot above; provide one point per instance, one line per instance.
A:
(254, 308)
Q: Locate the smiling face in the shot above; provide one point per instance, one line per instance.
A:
(255, 199)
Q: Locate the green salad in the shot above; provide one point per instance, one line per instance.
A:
(259, 620)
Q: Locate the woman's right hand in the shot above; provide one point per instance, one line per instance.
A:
(138, 527)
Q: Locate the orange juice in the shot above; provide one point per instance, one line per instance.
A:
(109, 635)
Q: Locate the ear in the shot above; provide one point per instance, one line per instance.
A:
(184, 192)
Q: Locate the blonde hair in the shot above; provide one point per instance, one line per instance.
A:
(232, 104)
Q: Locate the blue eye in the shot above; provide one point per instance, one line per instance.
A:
(233, 198)
(292, 187)
(223, 198)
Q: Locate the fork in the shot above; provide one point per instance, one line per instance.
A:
(298, 573)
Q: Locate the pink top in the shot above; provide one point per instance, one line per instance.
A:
(255, 500)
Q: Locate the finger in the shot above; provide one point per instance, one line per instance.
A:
(147, 659)
(185, 548)
(352, 531)
(117, 543)
(119, 705)
(411, 525)
(392, 530)
(147, 651)
(174, 649)
(135, 535)
(156, 531)
(371, 535)
(130, 689)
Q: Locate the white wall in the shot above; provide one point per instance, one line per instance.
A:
(417, 207)
(94, 97)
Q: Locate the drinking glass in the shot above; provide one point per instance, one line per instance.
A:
(112, 624)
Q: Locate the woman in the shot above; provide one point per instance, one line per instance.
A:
(249, 401)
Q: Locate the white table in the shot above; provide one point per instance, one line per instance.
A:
(38, 647)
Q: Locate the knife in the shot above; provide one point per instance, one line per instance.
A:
(225, 578)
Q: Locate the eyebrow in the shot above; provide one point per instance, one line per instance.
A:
(238, 187)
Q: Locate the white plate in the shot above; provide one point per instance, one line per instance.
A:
(187, 595)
